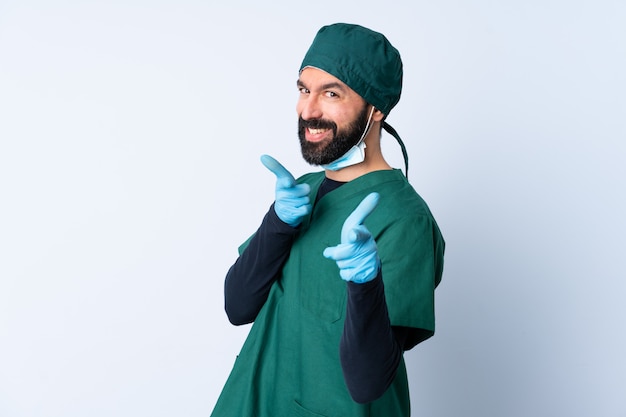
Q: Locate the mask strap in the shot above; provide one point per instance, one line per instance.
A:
(367, 127)
(393, 133)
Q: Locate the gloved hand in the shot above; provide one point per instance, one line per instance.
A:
(292, 199)
(357, 254)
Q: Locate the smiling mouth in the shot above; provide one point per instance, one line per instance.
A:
(317, 135)
(317, 131)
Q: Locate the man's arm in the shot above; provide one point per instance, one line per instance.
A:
(249, 280)
(370, 348)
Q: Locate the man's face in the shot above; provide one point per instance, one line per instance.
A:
(332, 117)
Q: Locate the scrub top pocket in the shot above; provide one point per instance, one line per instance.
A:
(324, 296)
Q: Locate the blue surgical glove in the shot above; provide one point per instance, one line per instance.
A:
(292, 199)
(357, 255)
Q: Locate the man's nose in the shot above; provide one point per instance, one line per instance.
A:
(310, 108)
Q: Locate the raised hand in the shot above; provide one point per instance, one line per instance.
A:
(292, 199)
(357, 254)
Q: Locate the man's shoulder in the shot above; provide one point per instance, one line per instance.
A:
(311, 177)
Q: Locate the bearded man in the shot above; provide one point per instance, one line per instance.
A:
(339, 279)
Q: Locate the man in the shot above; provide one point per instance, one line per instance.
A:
(339, 279)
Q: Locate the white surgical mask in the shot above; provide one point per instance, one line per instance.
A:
(355, 154)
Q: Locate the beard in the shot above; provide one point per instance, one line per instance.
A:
(327, 151)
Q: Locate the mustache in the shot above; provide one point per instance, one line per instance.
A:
(316, 124)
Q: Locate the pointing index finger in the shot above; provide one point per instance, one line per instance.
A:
(358, 216)
(280, 171)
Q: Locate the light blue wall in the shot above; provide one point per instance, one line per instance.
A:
(130, 133)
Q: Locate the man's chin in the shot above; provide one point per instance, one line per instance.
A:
(312, 158)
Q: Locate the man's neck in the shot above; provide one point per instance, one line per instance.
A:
(374, 160)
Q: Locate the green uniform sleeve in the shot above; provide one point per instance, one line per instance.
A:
(411, 252)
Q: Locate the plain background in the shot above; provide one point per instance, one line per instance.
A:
(130, 136)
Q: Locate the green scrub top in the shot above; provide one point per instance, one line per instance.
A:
(289, 364)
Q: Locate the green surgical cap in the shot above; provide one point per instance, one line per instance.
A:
(361, 58)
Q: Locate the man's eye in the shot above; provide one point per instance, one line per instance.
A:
(331, 94)
(303, 90)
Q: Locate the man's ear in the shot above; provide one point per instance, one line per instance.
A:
(377, 116)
